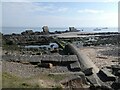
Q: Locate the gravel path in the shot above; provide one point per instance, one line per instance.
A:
(26, 71)
(94, 53)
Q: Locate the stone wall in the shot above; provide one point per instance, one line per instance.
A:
(40, 58)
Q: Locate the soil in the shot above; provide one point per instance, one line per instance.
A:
(102, 56)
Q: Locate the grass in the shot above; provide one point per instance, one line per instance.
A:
(11, 81)
(50, 81)
(11, 47)
(57, 78)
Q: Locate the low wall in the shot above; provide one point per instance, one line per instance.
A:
(40, 58)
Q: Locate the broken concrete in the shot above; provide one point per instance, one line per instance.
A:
(88, 71)
(75, 81)
(75, 66)
(39, 58)
(83, 60)
(115, 69)
(106, 75)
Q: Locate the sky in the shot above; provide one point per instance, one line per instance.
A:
(25, 13)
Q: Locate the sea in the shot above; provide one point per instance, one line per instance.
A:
(18, 30)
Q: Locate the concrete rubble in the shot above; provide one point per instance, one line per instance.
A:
(90, 76)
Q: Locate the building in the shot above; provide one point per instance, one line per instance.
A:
(45, 29)
(72, 29)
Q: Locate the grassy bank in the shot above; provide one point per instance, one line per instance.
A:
(42, 81)
(11, 81)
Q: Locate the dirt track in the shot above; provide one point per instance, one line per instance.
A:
(101, 56)
(29, 70)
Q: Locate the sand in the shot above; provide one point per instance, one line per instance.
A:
(99, 58)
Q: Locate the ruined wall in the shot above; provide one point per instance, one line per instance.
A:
(39, 58)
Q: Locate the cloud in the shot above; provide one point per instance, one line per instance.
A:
(49, 8)
(30, 7)
(30, 14)
(43, 8)
(62, 9)
(110, 18)
(15, 0)
(90, 11)
(111, 0)
(38, 14)
(60, 0)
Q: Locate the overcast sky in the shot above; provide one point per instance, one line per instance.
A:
(59, 14)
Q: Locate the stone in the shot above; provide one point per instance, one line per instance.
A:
(115, 69)
(119, 73)
(74, 81)
(72, 29)
(75, 66)
(93, 80)
(39, 58)
(45, 29)
(116, 84)
(45, 65)
(106, 75)
(88, 71)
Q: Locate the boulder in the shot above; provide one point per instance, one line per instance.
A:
(106, 75)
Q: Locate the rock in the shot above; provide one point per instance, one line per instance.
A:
(74, 81)
(115, 69)
(45, 29)
(116, 84)
(45, 65)
(72, 29)
(100, 88)
(106, 75)
(93, 80)
(119, 73)
(50, 65)
(75, 66)
(88, 71)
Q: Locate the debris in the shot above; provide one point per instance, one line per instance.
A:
(46, 65)
(74, 82)
(93, 80)
(115, 69)
(88, 71)
(106, 75)
(75, 66)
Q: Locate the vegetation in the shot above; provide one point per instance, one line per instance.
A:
(49, 81)
(57, 77)
(10, 47)
(11, 81)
